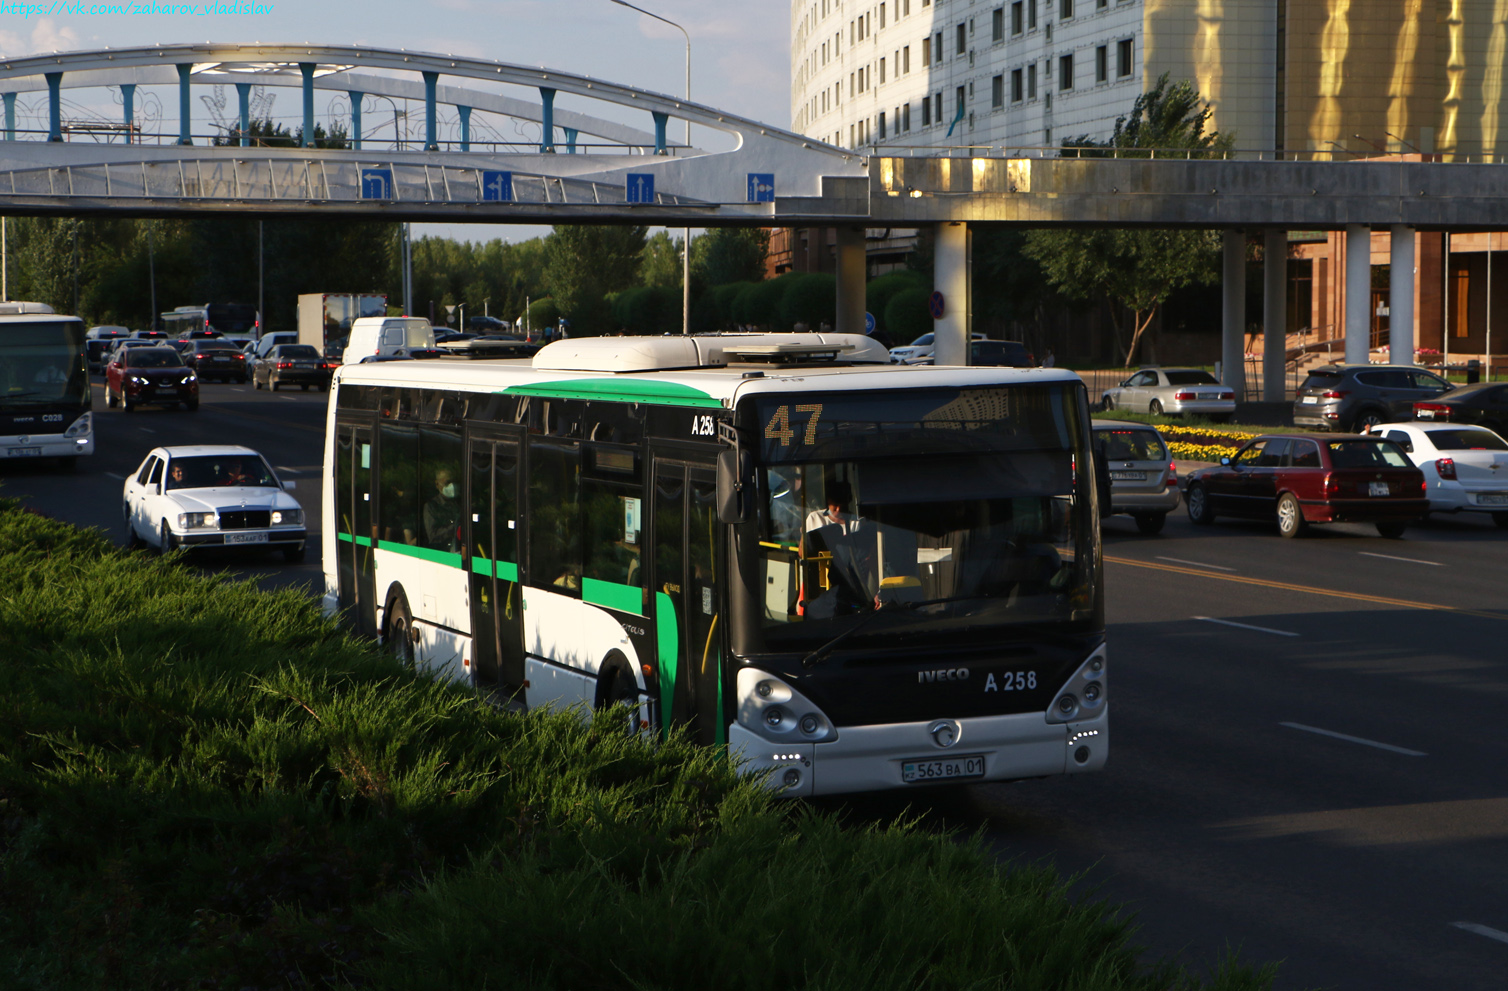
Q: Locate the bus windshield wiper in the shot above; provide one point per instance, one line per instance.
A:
(821, 653)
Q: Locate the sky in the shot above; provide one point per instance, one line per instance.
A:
(740, 51)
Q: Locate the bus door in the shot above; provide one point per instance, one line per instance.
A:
(353, 526)
(686, 578)
(497, 615)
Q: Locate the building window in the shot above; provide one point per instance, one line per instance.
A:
(937, 106)
(1016, 91)
(1018, 17)
(937, 49)
(1065, 72)
(926, 112)
(1101, 64)
(926, 51)
(997, 92)
(882, 72)
(882, 125)
(1098, 5)
(1031, 15)
(906, 59)
(882, 25)
(906, 117)
(1065, 9)
(1031, 81)
(997, 24)
(1123, 58)
(963, 44)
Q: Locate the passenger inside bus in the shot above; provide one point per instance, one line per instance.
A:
(442, 514)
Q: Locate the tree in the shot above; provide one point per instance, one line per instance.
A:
(662, 261)
(731, 254)
(585, 263)
(1137, 269)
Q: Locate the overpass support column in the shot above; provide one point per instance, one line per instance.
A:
(1401, 296)
(54, 106)
(430, 141)
(1233, 331)
(185, 105)
(547, 120)
(243, 106)
(128, 102)
(661, 122)
(952, 267)
(307, 68)
(851, 265)
(1274, 315)
(465, 113)
(10, 116)
(356, 97)
(570, 133)
(1358, 293)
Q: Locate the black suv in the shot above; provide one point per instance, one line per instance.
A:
(1350, 398)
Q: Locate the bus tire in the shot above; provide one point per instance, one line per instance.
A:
(616, 685)
(398, 628)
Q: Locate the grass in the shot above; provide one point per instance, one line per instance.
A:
(203, 785)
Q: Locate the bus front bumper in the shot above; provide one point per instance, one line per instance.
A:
(876, 758)
(46, 446)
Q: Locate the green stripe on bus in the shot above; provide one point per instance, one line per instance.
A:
(669, 638)
(624, 598)
(506, 570)
(422, 553)
(361, 541)
(482, 566)
(623, 390)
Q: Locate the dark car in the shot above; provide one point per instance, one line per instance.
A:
(150, 375)
(215, 359)
(1355, 397)
(1298, 479)
(291, 364)
(1007, 354)
(1484, 404)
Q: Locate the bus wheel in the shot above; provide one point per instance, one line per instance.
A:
(617, 688)
(400, 631)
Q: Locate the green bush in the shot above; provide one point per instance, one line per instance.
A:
(906, 315)
(809, 298)
(757, 304)
(879, 293)
(203, 785)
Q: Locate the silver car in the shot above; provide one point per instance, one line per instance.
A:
(1143, 477)
(1175, 391)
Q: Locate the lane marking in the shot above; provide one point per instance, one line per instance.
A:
(146, 430)
(115, 476)
(1309, 589)
(1393, 557)
(1197, 564)
(1487, 931)
(1356, 739)
(1245, 626)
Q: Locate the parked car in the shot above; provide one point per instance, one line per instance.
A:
(1353, 397)
(1143, 476)
(211, 496)
(1174, 391)
(923, 347)
(150, 375)
(213, 359)
(486, 325)
(290, 364)
(1000, 354)
(1465, 467)
(1298, 479)
(1485, 404)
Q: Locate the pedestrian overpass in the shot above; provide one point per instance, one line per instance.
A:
(505, 143)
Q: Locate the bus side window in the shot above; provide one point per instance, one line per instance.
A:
(398, 493)
(554, 515)
(440, 486)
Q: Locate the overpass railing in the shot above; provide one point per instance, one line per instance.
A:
(1092, 152)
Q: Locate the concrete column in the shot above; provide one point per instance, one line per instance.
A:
(1358, 293)
(356, 96)
(54, 106)
(243, 105)
(1233, 324)
(128, 102)
(1401, 296)
(547, 120)
(851, 270)
(1274, 315)
(465, 113)
(951, 270)
(185, 105)
(431, 143)
(307, 68)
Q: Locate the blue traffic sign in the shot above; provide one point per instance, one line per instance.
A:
(761, 187)
(869, 323)
(376, 184)
(497, 187)
(935, 306)
(641, 187)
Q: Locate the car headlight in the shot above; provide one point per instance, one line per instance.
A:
(287, 517)
(188, 378)
(80, 427)
(195, 521)
(138, 380)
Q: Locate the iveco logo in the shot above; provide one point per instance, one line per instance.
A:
(942, 674)
(23, 439)
(945, 732)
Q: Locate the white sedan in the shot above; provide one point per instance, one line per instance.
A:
(1465, 467)
(211, 496)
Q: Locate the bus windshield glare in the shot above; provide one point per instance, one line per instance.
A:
(43, 363)
(945, 509)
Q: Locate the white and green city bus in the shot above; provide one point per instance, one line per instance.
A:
(854, 574)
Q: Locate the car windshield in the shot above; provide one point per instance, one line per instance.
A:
(297, 351)
(1191, 378)
(855, 518)
(1132, 445)
(204, 471)
(922, 341)
(153, 358)
(1467, 440)
(1321, 380)
(1367, 454)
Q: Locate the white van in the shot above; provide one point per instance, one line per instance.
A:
(387, 335)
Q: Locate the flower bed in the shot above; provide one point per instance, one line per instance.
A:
(1203, 443)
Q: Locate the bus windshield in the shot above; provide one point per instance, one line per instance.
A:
(43, 364)
(945, 509)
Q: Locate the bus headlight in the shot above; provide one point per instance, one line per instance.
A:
(776, 711)
(1085, 695)
(195, 521)
(80, 427)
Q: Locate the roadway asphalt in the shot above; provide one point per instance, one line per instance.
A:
(1307, 734)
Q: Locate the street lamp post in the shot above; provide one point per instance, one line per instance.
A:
(686, 245)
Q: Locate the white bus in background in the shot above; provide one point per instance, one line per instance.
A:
(44, 385)
(856, 575)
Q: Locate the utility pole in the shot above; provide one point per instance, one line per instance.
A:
(260, 307)
(151, 279)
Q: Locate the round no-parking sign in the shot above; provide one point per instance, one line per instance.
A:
(935, 305)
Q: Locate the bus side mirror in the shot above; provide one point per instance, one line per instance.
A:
(735, 486)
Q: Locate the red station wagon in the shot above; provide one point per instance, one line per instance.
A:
(1299, 479)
